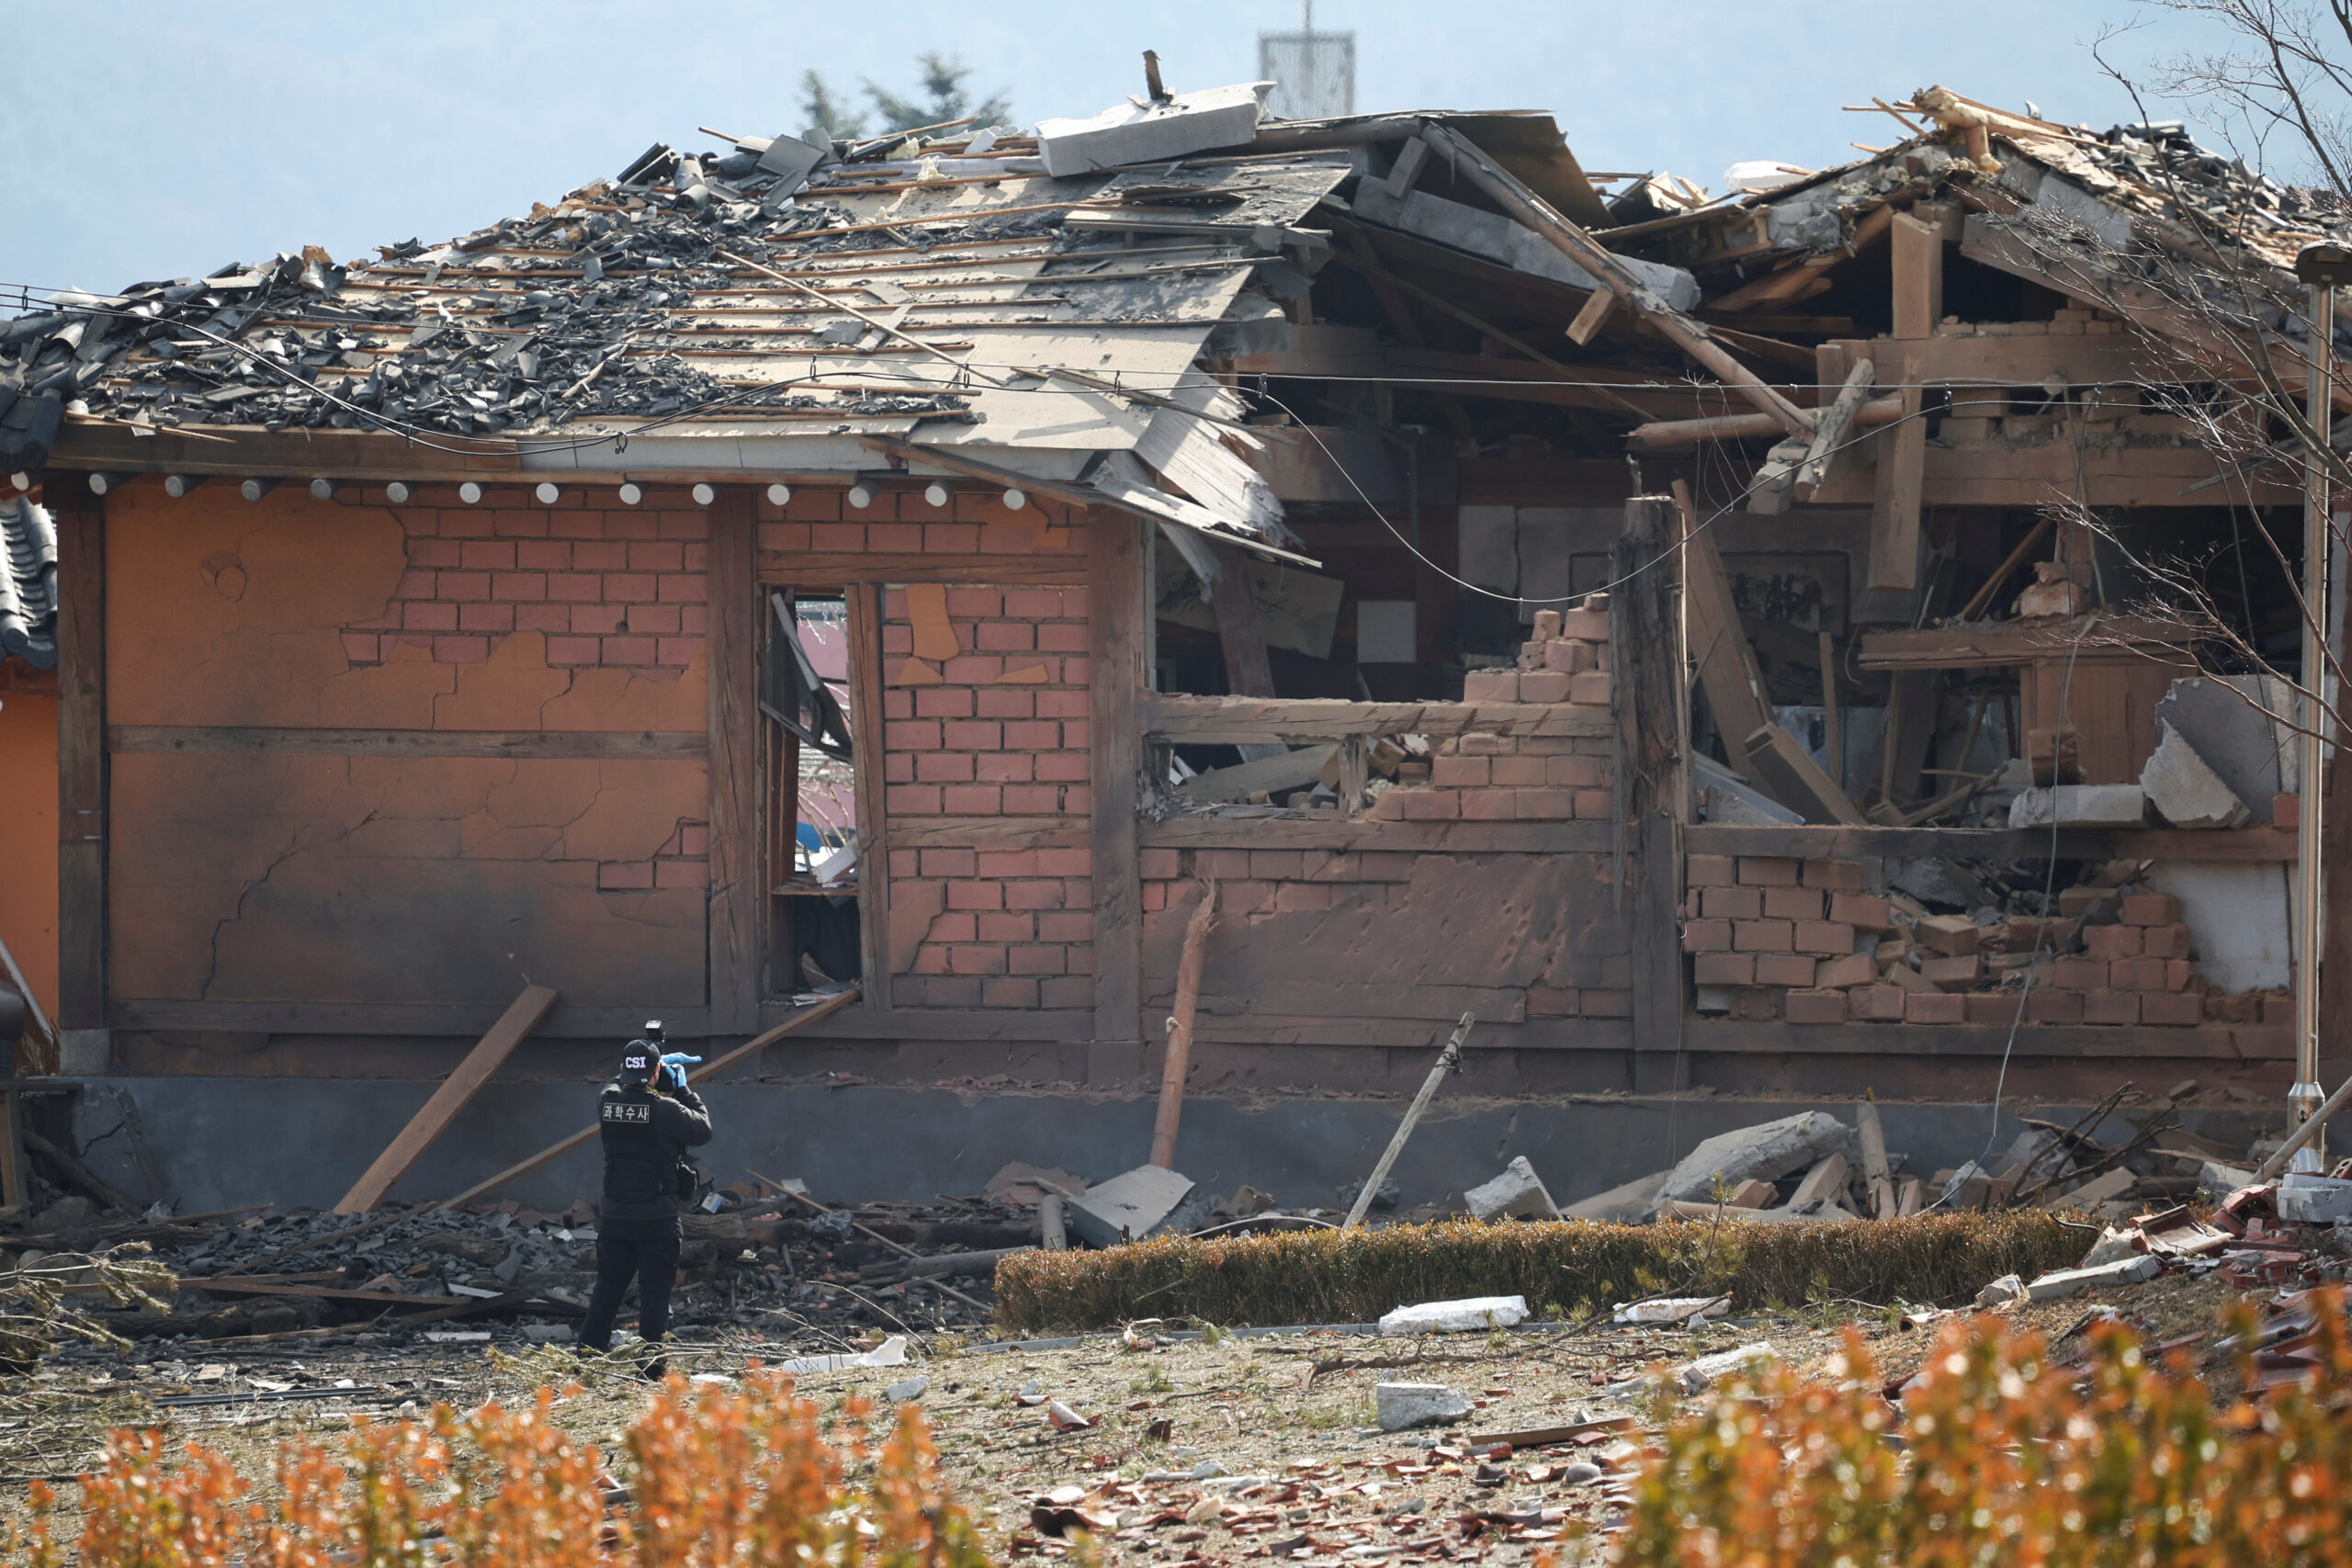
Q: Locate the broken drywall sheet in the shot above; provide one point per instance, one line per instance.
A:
(2242, 745)
(2185, 791)
(1136, 132)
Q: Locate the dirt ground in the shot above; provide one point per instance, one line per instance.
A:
(1198, 1451)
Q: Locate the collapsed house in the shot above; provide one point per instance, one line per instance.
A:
(1671, 630)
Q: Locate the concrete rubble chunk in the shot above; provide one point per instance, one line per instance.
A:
(1766, 1153)
(1517, 1194)
(2008, 1288)
(2066, 1283)
(1179, 124)
(2217, 1181)
(1464, 1317)
(1630, 1200)
(2080, 805)
(1703, 1373)
(1129, 1207)
(2114, 1245)
(907, 1388)
(2308, 1199)
(1584, 1472)
(2185, 791)
(1673, 1309)
(1403, 1405)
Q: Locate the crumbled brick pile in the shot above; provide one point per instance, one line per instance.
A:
(1802, 940)
(1487, 777)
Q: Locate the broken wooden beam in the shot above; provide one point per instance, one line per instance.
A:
(1180, 1030)
(1829, 435)
(798, 1020)
(460, 1087)
(1748, 426)
(1902, 479)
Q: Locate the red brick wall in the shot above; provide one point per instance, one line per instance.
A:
(607, 585)
(997, 731)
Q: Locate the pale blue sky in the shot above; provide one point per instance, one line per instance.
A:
(145, 140)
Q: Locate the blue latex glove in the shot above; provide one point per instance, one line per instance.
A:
(673, 1068)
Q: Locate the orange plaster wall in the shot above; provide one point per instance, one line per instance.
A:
(28, 838)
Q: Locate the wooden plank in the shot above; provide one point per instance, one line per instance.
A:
(1239, 721)
(1876, 1172)
(1950, 361)
(801, 1019)
(735, 617)
(1240, 634)
(958, 1026)
(874, 842)
(1917, 252)
(1116, 615)
(786, 569)
(1982, 474)
(2243, 846)
(1652, 696)
(1734, 689)
(2217, 1041)
(81, 760)
(414, 1021)
(12, 1149)
(2000, 644)
(989, 833)
(1899, 488)
(448, 1100)
(1393, 1032)
(1364, 834)
(340, 453)
(530, 744)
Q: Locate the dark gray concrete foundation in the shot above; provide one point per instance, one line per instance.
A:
(216, 1143)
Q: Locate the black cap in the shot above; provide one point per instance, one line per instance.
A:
(639, 1061)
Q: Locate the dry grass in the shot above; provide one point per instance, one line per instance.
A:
(1572, 1267)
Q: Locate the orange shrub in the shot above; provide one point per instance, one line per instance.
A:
(723, 1474)
(2001, 1456)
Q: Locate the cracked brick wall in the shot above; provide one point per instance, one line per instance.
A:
(263, 874)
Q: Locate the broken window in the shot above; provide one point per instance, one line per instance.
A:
(812, 816)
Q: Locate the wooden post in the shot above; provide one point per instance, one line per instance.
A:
(1447, 1061)
(1833, 743)
(1901, 476)
(1115, 609)
(866, 723)
(1179, 1031)
(1650, 695)
(735, 861)
(1918, 252)
(1053, 1230)
(81, 762)
(1874, 1167)
(1240, 631)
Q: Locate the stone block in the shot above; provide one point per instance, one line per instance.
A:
(1490, 686)
(1814, 1006)
(1732, 903)
(1862, 910)
(1517, 1194)
(1962, 969)
(1403, 1405)
(1568, 657)
(1763, 1153)
(1825, 939)
(1706, 936)
(1724, 969)
(1585, 625)
(1847, 969)
(1952, 935)
(1833, 875)
(2185, 791)
(1589, 688)
(1542, 686)
(2112, 1008)
(1875, 1004)
(1934, 1007)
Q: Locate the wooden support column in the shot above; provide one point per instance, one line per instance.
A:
(735, 861)
(1652, 700)
(81, 760)
(1918, 252)
(1116, 608)
(864, 609)
(1240, 630)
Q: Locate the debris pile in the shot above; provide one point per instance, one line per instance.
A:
(1942, 943)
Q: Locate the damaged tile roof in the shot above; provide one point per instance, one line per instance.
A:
(28, 584)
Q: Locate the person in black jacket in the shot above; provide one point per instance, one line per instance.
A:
(648, 1119)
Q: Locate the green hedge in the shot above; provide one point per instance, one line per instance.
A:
(1576, 1265)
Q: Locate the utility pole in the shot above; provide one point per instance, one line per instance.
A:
(2322, 269)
